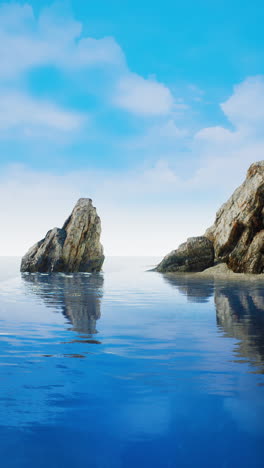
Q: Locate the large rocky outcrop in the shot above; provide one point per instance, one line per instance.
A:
(238, 231)
(75, 247)
(237, 235)
(196, 254)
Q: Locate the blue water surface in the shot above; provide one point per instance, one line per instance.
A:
(129, 368)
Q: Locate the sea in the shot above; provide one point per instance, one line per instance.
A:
(130, 368)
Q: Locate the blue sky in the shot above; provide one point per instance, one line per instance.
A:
(153, 109)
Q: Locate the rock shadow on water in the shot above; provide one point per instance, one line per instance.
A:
(77, 296)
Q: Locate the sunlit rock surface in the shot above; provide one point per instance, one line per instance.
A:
(74, 248)
(238, 231)
(237, 236)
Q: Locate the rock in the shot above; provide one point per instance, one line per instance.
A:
(238, 231)
(75, 247)
(82, 250)
(46, 255)
(196, 254)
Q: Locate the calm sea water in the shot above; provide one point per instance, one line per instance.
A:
(129, 368)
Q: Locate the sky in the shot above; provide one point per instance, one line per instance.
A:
(155, 110)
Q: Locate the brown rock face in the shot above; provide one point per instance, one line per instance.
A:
(196, 254)
(75, 247)
(238, 231)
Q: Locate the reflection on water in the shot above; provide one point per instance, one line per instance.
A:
(175, 378)
(195, 290)
(239, 310)
(77, 296)
(240, 314)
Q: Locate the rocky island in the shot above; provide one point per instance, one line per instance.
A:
(236, 238)
(75, 247)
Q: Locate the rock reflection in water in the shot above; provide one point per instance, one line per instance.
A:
(77, 296)
(239, 311)
(240, 314)
(195, 291)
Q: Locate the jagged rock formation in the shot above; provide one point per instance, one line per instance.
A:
(238, 231)
(196, 254)
(237, 236)
(75, 247)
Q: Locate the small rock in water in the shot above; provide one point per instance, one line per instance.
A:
(75, 247)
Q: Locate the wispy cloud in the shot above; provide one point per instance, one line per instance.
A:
(30, 42)
(143, 96)
(137, 200)
(164, 134)
(27, 42)
(246, 106)
(224, 153)
(21, 112)
(140, 215)
(149, 209)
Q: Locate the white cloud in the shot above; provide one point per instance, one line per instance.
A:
(24, 114)
(245, 141)
(27, 42)
(246, 105)
(139, 211)
(163, 136)
(218, 156)
(15, 17)
(98, 51)
(161, 174)
(143, 96)
(169, 129)
(148, 210)
(215, 134)
(145, 211)
(223, 154)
